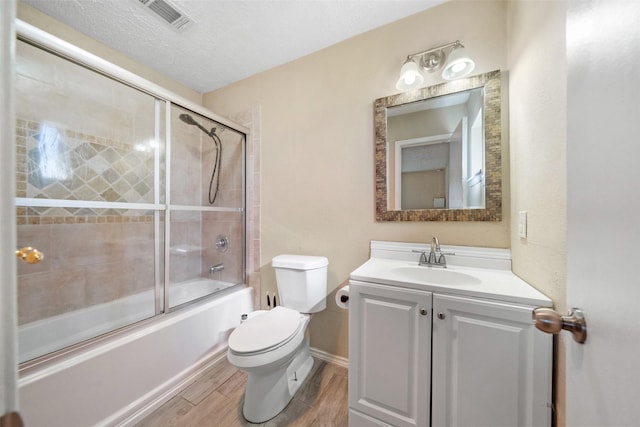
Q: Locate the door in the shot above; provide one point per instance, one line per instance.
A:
(603, 207)
(389, 354)
(491, 366)
(8, 356)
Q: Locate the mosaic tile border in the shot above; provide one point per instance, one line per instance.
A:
(493, 151)
(23, 219)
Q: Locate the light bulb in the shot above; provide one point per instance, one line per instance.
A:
(459, 65)
(410, 76)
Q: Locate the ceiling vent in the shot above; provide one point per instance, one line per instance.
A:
(169, 13)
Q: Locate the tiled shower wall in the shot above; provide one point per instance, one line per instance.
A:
(251, 120)
(85, 264)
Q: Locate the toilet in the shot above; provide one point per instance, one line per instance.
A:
(272, 346)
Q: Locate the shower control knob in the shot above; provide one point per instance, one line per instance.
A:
(222, 243)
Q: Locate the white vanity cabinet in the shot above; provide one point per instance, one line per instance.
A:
(389, 355)
(425, 358)
(491, 366)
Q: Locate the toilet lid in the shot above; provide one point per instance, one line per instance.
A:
(267, 330)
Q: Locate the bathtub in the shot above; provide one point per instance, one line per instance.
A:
(122, 378)
(56, 332)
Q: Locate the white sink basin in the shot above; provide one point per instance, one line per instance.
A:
(436, 276)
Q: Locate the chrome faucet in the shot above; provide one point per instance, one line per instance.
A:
(435, 257)
(215, 268)
(435, 249)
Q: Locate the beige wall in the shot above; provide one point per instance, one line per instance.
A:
(38, 19)
(317, 147)
(538, 117)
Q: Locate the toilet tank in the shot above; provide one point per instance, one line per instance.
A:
(302, 282)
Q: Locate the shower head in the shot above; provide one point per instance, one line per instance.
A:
(188, 119)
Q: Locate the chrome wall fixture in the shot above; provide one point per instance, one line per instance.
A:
(457, 65)
(222, 243)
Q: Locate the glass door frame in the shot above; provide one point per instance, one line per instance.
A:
(164, 100)
(8, 299)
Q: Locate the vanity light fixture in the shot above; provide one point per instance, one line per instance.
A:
(458, 65)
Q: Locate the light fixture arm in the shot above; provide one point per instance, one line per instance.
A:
(456, 44)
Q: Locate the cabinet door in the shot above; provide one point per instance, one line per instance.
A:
(389, 353)
(491, 367)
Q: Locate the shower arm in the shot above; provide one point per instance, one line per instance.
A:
(211, 133)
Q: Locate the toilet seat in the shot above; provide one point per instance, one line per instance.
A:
(265, 332)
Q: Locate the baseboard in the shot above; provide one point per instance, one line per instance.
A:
(328, 357)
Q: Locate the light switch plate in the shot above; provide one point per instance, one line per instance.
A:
(522, 224)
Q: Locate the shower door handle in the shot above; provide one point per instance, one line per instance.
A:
(29, 255)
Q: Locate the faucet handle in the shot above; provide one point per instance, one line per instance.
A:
(423, 256)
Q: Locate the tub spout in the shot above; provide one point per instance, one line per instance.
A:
(217, 267)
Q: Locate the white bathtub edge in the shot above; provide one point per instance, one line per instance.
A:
(125, 338)
(97, 382)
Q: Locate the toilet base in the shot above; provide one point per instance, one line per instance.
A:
(269, 391)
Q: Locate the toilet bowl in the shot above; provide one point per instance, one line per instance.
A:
(272, 346)
(273, 349)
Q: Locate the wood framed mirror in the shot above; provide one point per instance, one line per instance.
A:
(438, 152)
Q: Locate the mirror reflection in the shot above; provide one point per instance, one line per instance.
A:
(438, 152)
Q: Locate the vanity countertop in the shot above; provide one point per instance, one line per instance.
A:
(489, 283)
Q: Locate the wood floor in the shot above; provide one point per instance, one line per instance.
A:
(216, 399)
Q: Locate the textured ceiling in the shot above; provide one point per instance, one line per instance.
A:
(229, 40)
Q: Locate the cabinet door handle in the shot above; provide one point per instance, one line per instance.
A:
(441, 315)
(423, 311)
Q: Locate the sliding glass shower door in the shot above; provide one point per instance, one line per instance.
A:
(136, 202)
(90, 196)
(206, 207)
